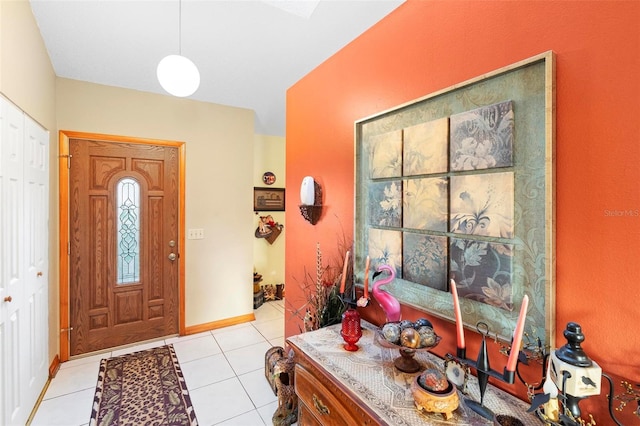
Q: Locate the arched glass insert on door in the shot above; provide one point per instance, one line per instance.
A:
(128, 217)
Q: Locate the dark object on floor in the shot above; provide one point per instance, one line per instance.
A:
(270, 359)
(279, 291)
(258, 299)
(287, 412)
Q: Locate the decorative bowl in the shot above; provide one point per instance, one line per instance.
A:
(444, 402)
(380, 337)
(406, 361)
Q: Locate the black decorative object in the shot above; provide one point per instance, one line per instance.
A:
(311, 213)
(572, 352)
(573, 372)
(571, 377)
(483, 372)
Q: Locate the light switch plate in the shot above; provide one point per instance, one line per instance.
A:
(195, 234)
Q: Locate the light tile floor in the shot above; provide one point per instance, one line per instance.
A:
(223, 368)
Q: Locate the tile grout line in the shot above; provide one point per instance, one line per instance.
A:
(275, 311)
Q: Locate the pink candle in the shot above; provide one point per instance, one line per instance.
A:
(366, 278)
(517, 335)
(456, 310)
(344, 272)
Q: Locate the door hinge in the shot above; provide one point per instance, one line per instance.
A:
(68, 157)
(69, 248)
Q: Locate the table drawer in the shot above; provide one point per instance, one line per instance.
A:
(324, 404)
(306, 417)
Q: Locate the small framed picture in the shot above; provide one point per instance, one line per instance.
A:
(269, 178)
(456, 372)
(268, 199)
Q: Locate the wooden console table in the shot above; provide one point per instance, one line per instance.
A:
(337, 387)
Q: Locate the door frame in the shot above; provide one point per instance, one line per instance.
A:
(63, 162)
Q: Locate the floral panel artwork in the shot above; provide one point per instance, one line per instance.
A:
(492, 198)
(425, 260)
(385, 248)
(482, 204)
(425, 148)
(385, 203)
(482, 271)
(425, 204)
(482, 138)
(385, 155)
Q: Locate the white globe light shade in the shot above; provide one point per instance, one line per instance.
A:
(178, 75)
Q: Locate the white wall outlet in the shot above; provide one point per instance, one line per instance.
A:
(195, 234)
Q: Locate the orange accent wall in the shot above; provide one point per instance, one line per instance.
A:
(426, 46)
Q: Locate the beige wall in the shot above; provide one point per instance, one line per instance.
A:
(268, 259)
(28, 80)
(219, 180)
(219, 164)
(26, 75)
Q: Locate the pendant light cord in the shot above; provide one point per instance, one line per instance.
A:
(178, 75)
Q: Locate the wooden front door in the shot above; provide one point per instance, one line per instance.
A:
(123, 243)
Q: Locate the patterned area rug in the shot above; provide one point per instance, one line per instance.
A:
(142, 388)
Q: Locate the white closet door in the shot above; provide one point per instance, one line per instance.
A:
(23, 263)
(11, 289)
(36, 259)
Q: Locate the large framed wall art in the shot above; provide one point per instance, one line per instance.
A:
(459, 184)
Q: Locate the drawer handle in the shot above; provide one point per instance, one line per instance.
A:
(320, 407)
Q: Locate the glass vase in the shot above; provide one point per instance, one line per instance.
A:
(351, 329)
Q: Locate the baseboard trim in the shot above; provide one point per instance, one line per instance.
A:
(194, 329)
(53, 370)
(54, 367)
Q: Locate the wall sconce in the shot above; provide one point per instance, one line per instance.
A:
(310, 200)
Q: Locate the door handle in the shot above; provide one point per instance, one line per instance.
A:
(172, 256)
(8, 299)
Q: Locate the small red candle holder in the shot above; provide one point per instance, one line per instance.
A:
(351, 329)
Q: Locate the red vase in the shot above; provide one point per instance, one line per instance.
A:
(351, 329)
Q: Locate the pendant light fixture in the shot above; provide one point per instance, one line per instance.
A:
(177, 74)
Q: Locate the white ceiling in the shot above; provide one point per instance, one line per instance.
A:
(249, 52)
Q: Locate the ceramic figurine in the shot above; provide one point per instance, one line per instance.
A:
(287, 412)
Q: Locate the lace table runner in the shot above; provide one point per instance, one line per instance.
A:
(369, 373)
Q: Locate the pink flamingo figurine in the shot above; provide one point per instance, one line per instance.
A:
(388, 303)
